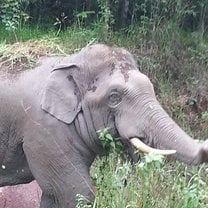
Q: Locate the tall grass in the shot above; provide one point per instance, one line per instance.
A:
(151, 183)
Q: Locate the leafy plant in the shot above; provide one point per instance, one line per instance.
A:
(12, 14)
(61, 22)
(146, 184)
(108, 142)
(106, 19)
(83, 202)
(82, 16)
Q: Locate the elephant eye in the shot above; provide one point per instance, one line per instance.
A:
(114, 98)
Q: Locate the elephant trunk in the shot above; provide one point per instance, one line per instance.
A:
(164, 133)
(187, 149)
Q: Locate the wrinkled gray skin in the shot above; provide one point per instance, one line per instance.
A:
(49, 118)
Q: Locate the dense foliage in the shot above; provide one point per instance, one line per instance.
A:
(191, 14)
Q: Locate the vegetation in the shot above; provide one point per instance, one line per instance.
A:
(150, 183)
(169, 39)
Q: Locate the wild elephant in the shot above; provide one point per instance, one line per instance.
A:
(50, 116)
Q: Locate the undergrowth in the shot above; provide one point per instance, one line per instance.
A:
(151, 183)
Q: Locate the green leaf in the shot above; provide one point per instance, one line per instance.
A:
(109, 137)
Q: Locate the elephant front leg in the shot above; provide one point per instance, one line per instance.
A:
(64, 191)
(61, 176)
(47, 201)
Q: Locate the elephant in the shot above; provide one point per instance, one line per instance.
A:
(20, 196)
(50, 118)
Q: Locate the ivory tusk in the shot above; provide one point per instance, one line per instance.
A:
(145, 148)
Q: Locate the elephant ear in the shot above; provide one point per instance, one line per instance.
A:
(61, 97)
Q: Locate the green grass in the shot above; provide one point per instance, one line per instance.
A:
(177, 65)
(23, 33)
(152, 183)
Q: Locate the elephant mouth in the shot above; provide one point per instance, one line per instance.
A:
(138, 144)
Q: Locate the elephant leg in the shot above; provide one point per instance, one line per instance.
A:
(61, 172)
(47, 201)
(64, 191)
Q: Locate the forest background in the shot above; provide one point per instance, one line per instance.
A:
(169, 38)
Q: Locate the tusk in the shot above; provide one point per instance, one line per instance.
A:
(145, 148)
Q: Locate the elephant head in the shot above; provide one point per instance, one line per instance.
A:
(101, 87)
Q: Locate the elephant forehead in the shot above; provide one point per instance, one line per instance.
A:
(105, 84)
(118, 78)
(138, 80)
